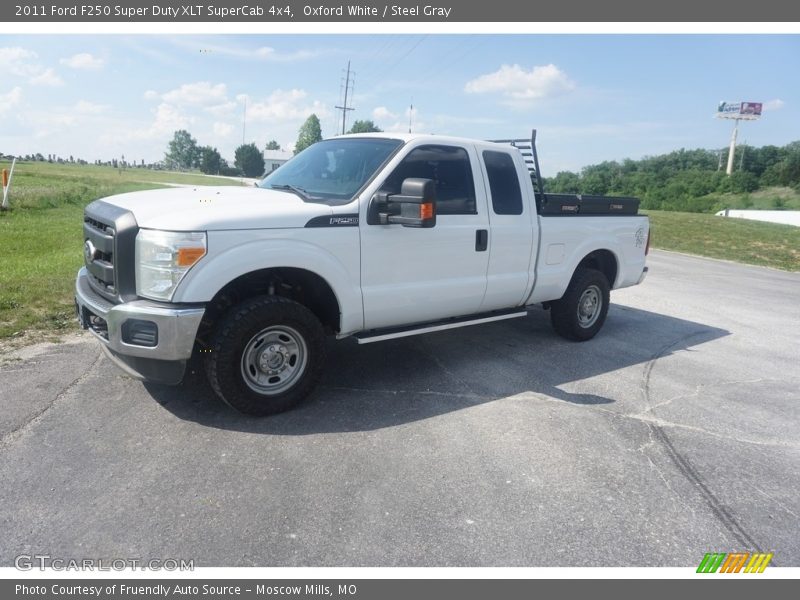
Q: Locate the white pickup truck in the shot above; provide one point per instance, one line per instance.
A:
(374, 236)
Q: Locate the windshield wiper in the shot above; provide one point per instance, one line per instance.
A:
(292, 188)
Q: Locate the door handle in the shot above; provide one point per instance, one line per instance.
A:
(481, 240)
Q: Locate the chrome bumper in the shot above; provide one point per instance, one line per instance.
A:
(177, 327)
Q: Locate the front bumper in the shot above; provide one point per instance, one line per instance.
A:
(176, 329)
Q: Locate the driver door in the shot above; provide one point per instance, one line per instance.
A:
(412, 275)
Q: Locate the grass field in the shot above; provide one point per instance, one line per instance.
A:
(751, 242)
(46, 185)
(41, 238)
(767, 199)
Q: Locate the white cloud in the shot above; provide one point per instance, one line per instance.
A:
(150, 95)
(285, 104)
(381, 113)
(775, 104)
(10, 99)
(89, 108)
(222, 110)
(222, 129)
(48, 77)
(17, 61)
(201, 93)
(270, 54)
(83, 61)
(521, 86)
(20, 62)
(263, 53)
(168, 118)
(412, 118)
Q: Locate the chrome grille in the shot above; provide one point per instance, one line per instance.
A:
(99, 255)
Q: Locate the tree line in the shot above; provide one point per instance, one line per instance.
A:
(687, 180)
(184, 153)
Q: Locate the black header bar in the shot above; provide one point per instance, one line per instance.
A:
(399, 11)
(731, 587)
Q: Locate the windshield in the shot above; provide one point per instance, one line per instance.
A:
(333, 169)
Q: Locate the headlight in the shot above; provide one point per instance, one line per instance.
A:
(163, 258)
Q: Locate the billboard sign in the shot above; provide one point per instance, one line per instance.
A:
(739, 110)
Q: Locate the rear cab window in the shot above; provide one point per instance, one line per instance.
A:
(503, 183)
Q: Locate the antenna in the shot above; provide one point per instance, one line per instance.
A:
(410, 114)
(344, 108)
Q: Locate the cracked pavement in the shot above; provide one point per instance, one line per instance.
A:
(674, 433)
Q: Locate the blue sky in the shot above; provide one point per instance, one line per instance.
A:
(592, 97)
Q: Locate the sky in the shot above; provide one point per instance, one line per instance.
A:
(591, 97)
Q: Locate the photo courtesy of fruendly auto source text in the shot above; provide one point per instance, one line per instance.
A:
(399, 300)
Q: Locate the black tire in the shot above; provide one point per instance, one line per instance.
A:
(577, 315)
(250, 366)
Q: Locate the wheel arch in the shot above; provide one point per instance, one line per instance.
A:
(602, 260)
(300, 285)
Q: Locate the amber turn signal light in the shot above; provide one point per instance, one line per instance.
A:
(188, 256)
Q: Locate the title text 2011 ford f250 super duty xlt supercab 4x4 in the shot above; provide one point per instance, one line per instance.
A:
(375, 236)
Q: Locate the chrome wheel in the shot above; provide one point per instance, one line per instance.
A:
(589, 306)
(274, 359)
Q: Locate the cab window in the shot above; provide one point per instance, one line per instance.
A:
(449, 168)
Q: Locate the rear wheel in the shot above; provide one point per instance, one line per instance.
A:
(267, 355)
(582, 310)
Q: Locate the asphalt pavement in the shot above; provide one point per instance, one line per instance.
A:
(674, 433)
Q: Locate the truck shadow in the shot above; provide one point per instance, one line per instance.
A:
(386, 384)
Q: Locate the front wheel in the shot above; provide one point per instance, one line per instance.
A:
(267, 355)
(582, 310)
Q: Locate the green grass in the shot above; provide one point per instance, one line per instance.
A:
(46, 185)
(751, 242)
(41, 238)
(772, 198)
(41, 253)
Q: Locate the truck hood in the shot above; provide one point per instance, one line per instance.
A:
(205, 208)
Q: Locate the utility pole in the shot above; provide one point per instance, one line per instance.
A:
(732, 148)
(344, 108)
(410, 114)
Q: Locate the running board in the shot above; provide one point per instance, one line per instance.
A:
(390, 333)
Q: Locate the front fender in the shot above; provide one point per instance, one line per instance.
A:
(237, 253)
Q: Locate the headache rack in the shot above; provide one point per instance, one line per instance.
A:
(549, 205)
(527, 147)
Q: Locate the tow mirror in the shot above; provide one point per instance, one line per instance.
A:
(414, 206)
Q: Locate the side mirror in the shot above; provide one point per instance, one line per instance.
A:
(414, 206)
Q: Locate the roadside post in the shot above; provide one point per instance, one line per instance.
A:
(7, 184)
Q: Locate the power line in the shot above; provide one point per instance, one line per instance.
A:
(344, 108)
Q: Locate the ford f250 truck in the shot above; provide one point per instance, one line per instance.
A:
(374, 236)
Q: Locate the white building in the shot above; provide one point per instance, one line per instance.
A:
(274, 159)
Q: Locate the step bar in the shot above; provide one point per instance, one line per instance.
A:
(391, 333)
